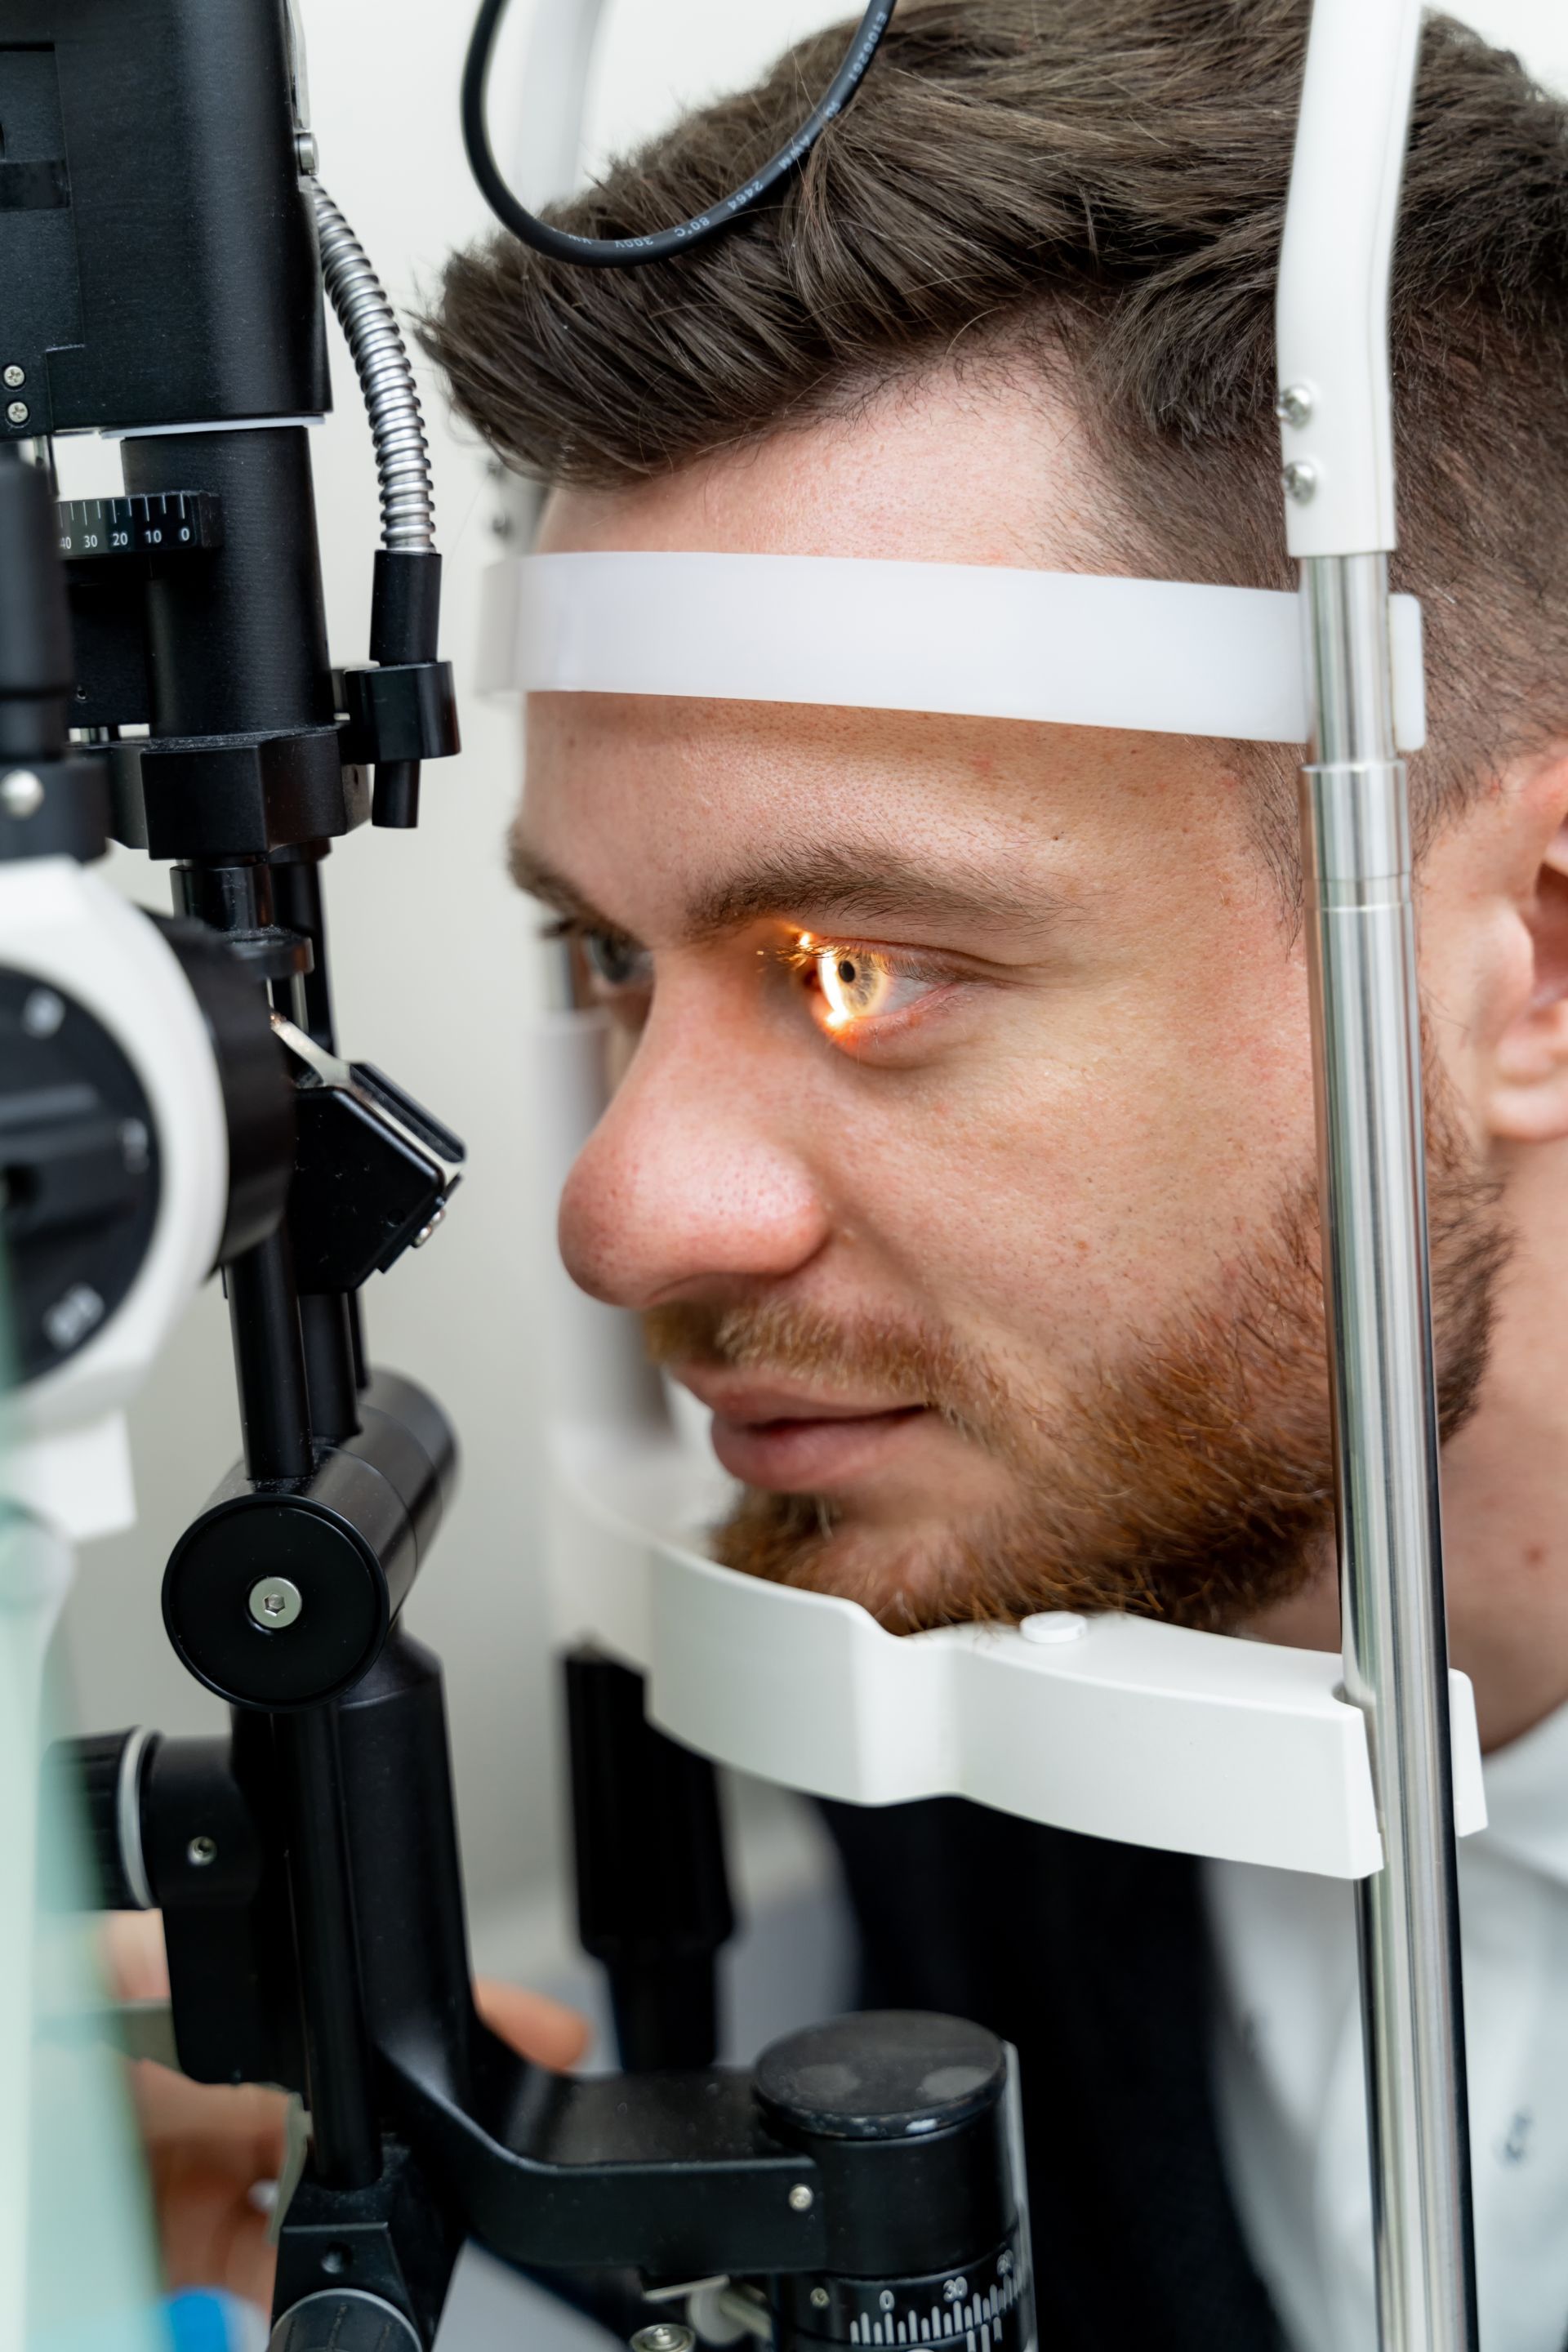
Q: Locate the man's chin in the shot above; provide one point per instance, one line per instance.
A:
(1000, 1564)
(900, 1572)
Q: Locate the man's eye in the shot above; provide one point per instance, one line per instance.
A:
(854, 986)
(615, 962)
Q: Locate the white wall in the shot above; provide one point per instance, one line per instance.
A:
(433, 960)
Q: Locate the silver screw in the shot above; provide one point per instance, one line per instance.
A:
(14, 377)
(71, 1318)
(819, 2298)
(275, 1602)
(1294, 406)
(1301, 480)
(43, 1012)
(18, 412)
(21, 794)
(437, 1216)
(664, 2336)
(200, 1852)
(306, 154)
(801, 2199)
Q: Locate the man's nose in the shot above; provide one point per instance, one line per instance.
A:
(690, 1177)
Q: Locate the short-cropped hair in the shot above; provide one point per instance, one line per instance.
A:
(1094, 189)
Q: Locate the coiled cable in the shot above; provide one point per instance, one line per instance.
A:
(624, 252)
(386, 380)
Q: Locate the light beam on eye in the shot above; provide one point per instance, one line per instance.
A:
(855, 985)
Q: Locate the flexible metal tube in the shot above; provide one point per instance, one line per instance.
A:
(1366, 1037)
(386, 380)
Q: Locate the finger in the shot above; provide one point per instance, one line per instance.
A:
(208, 2147)
(238, 2134)
(136, 1962)
(217, 2243)
(537, 2028)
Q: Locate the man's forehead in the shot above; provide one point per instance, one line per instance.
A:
(666, 819)
(978, 464)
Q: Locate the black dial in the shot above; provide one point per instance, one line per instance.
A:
(983, 2308)
(78, 1172)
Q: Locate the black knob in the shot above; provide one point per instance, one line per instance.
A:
(906, 2117)
(103, 1779)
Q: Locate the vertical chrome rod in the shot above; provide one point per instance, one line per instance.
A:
(1367, 1056)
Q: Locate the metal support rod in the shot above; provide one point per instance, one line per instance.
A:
(270, 1361)
(339, 2071)
(330, 1327)
(1367, 1059)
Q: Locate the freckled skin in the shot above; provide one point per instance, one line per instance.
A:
(1094, 1127)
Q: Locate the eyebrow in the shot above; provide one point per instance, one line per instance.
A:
(865, 885)
(538, 879)
(868, 884)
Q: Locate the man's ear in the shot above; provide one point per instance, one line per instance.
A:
(1529, 1089)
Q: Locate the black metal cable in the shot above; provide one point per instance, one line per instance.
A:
(624, 252)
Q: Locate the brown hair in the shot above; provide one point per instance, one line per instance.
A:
(1093, 187)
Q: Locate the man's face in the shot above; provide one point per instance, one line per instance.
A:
(961, 1154)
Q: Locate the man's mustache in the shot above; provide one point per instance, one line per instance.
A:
(898, 1359)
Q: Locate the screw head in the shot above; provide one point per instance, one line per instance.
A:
(1294, 406)
(819, 2298)
(801, 2199)
(18, 412)
(200, 1852)
(21, 794)
(43, 1012)
(664, 2336)
(306, 154)
(73, 1314)
(275, 1601)
(13, 377)
(1301, 480)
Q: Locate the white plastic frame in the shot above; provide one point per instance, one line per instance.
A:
(63, 1451)
(983, 640)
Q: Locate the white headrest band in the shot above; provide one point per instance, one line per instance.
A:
(979, 640)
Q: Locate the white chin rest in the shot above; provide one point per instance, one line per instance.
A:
(983, 641)
(1127, 1729)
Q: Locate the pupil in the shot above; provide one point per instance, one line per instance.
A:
(847, 971)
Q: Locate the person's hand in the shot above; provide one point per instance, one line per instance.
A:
(209, 2148)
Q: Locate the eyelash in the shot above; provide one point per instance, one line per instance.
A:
(822, 963)
(591, 940)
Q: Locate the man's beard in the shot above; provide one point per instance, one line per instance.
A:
(1191, 1480)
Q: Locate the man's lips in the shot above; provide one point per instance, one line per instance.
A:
(791, 1442)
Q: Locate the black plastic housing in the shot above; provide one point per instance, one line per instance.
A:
(171, 277)
(70, 817)
(653, 1894)
(349, 1538)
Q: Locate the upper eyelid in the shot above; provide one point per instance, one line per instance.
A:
(914, 964)
(577, 927)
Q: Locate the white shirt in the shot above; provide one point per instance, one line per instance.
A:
(1290, 2081)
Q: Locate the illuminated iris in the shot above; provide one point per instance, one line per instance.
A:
(856, 985)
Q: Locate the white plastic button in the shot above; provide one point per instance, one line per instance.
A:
(1054, 1625)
